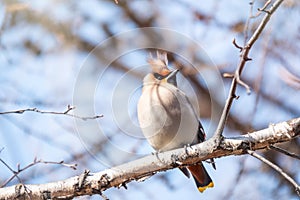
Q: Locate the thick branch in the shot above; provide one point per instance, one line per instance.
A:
(95, 183)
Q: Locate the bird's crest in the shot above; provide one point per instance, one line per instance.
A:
(160, 64)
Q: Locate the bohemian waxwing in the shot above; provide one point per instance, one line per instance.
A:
(167, 118)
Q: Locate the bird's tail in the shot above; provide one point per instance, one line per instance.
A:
(201, 177)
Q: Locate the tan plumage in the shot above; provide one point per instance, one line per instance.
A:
(167, 118)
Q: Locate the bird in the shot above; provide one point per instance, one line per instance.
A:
(167, 118)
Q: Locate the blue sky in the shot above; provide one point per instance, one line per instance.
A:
(60, 72)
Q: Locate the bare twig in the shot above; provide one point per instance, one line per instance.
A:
(35, 162)
(228, 75)
(12, 177)
(278, 169)
(245, 85)
(72, 166)
(265, 6)
(294, 111)
(261, 10)
(244, 58)
(285, 152)
(66, 112)
(236, 45)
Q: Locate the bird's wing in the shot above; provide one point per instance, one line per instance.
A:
(200, 133)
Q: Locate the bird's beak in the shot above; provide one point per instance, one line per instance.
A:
(173, 74)
(171, 78)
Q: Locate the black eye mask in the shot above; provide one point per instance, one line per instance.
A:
(158, 76)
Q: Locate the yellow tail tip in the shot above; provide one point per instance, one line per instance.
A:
(202, 189)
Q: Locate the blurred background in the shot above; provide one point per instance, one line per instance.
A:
(93, 54)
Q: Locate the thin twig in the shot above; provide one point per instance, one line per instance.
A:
(66, 112)
(278, 169)
(35, 162)
(285, 152)
(236, 45)
(228, 75)
(244, 58)
(263, 9)
(245, 85)
(12, 177)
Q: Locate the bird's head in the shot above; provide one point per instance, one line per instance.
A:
(160, 71)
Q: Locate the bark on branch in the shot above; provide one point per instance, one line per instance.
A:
(95, 183)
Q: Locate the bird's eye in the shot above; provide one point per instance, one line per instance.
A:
(158, 76)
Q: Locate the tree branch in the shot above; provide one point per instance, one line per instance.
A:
(244, 58)
(278, 169)
(35, 162)
(95, 183)
(66, 112)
